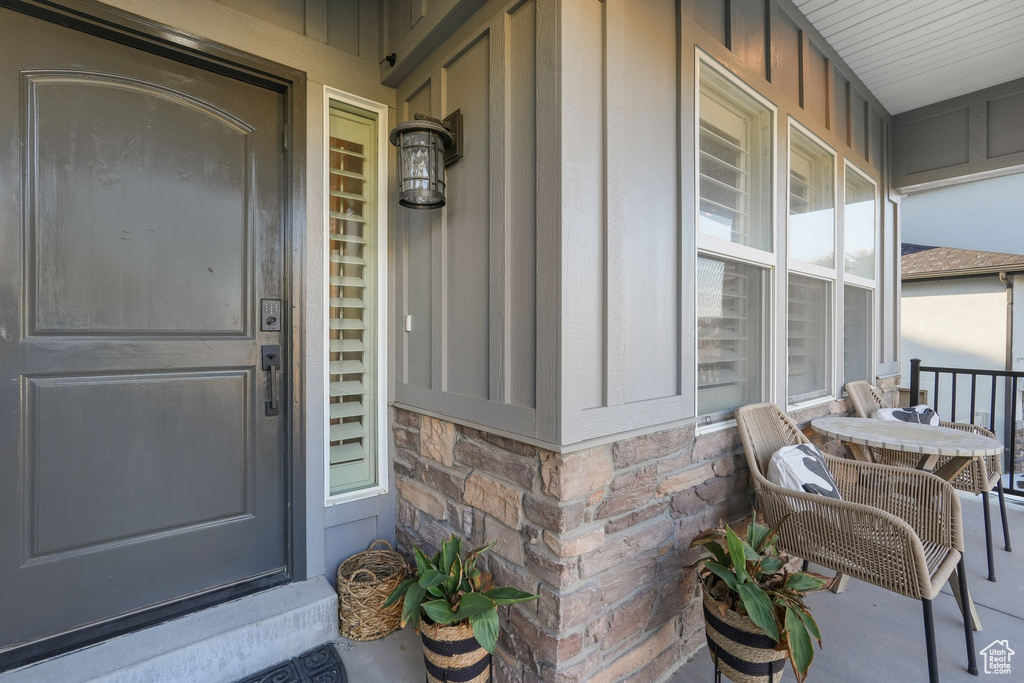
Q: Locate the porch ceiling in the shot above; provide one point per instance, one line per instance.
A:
(911, 53)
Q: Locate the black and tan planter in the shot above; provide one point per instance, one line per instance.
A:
(740, 649)
(452, 655)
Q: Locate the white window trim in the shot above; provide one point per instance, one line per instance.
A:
(711, 246)
(382, 431)
(863, 282)
(811, 270)
(796, 264)
(849, 277)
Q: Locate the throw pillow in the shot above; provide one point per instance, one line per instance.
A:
(916, 414)
(802, 468)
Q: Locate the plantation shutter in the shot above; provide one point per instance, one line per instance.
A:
(352, 302)
(724, 172)
(808, 338)
(730, 324)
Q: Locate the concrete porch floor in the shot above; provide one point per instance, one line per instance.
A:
(869, 634)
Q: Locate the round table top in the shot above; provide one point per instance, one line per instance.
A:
(907, 436)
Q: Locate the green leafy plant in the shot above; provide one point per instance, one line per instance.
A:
(748, 575)
(449, 589)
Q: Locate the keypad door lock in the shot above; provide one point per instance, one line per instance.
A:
(270, 315)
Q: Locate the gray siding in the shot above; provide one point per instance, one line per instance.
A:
(981, 133)
(470, 276)
(349, 25)
(413, 29)
(628, 227)
(552, 299)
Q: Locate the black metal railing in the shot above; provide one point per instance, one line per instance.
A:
(1002, 403)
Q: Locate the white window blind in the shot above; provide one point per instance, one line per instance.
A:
(735, 163)
(352, 303)
(809, 338)
(731, 312)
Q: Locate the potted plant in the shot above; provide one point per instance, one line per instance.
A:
(754, 614)
(454, 606)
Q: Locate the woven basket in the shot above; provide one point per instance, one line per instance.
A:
(451, 653)
(741, 650)
(364, 582)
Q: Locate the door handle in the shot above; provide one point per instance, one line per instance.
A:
(272, 363)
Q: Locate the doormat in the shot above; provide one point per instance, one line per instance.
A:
(319, 665)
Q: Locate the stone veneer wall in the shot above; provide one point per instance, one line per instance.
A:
(602, 534)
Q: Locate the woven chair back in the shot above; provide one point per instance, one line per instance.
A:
(866, 399)
(764, 429)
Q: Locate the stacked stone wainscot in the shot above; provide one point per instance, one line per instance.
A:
(602, 534)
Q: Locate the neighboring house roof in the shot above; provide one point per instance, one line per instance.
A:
(921, 261)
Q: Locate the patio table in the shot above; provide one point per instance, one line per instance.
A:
(928, 441)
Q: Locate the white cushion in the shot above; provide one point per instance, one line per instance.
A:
(802, 468)
(921, 414)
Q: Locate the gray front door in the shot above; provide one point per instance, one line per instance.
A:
(141, 203)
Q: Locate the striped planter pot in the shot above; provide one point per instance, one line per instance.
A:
(741, 650)
(452, 655)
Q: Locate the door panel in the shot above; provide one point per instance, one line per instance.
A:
(141, 204)
(81, 427)
(103, 262)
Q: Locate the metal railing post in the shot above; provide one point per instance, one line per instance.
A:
(915, 380)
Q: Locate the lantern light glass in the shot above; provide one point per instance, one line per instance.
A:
(421, 145)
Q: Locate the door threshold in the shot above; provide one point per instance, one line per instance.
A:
(220, 644)
(96, 633)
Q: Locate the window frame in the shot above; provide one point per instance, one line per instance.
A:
(860, 281)
(796, 264)
(381, 430)
(872, 352)
(832, 346)
(814, 271)
(714, 247)
(870, 283)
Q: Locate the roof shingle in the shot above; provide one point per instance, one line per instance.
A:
(919, 260)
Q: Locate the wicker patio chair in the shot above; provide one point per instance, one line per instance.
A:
(981, 477)
(895, 527)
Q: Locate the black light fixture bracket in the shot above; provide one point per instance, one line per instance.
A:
(453, 124)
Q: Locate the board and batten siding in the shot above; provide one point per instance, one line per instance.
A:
(352, 26)
(553, 298)
(982, 136)
(475, 281)
(628, 339)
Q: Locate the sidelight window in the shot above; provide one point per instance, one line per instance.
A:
(355, 410)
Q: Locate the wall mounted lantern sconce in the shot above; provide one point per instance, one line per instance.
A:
(425, 146)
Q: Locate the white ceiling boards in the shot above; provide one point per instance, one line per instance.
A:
(911, 53)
